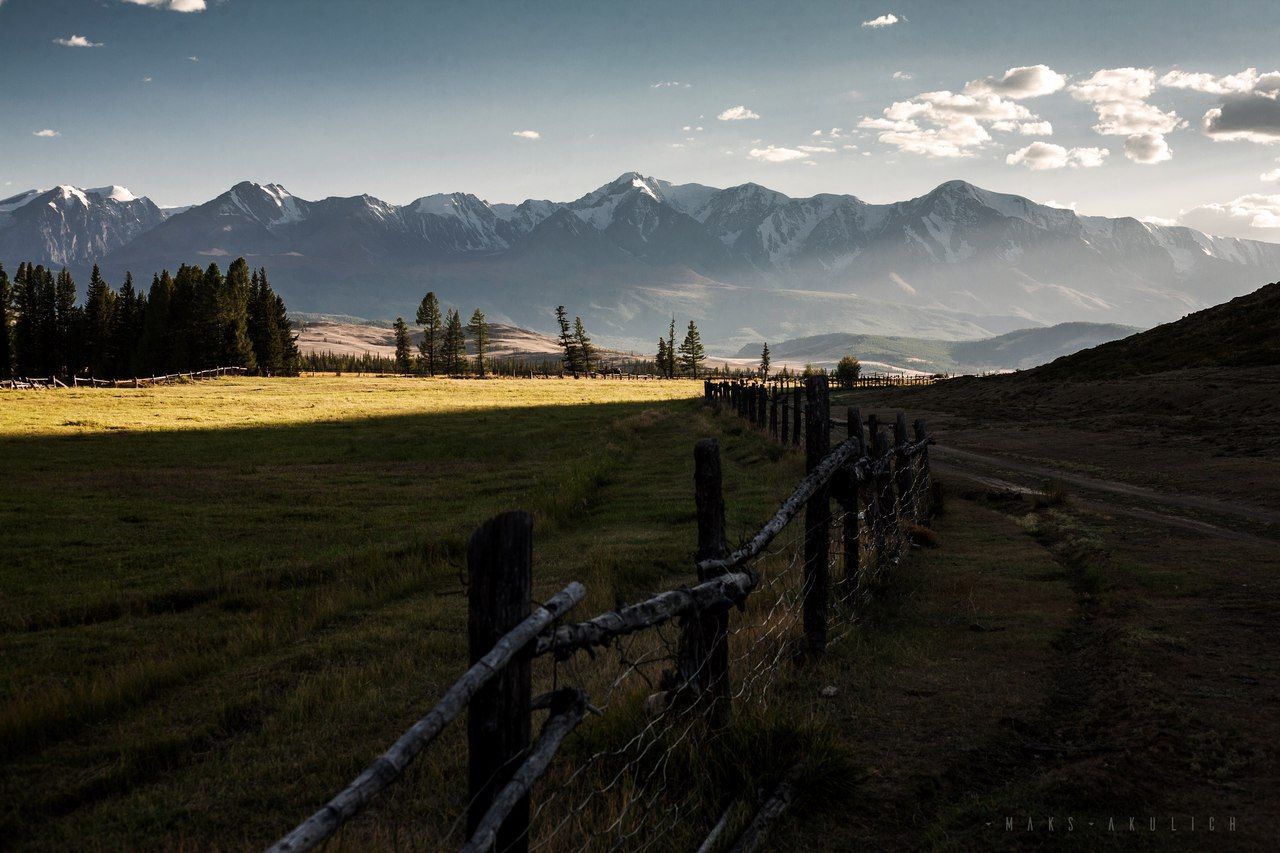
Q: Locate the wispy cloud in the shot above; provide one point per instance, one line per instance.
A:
(77, 41)
(738, 113)
(670, 84)
(194, 58)
(47, 133)
(526, 134)
(777, 154)
(1244, 216)
(902, 75)
(882, 21)
(173, 5)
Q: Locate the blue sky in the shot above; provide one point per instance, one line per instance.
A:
(400, 99)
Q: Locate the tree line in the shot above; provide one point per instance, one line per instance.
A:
(194, 320)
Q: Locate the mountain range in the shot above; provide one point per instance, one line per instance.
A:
(747, 262)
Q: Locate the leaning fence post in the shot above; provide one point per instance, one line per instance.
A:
(707, 659)
(904, 471)
(499, 582)
(817, 515)
(924, 488)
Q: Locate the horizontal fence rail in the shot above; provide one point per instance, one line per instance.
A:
(135, 382)
(860, 503)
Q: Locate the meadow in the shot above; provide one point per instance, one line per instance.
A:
(222, 598)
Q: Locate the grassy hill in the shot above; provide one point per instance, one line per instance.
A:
(1244, 332)
(1015, 350)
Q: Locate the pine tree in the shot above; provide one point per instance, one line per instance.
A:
(671, 349)
(6, 325)
(455, 343)
(234, 349)
(660, 361)
(404, 353)
(582, 344)
(124, 329)
(765, 360)
(570, 359)
(692, 353)
(429, 319)
(67, 353)
(480, 334)
(264, 331)
(95, 343)
(154, 348)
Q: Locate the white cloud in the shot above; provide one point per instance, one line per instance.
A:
(1273, 175)
(1248, 80)
(1147, 148)
(1254, 215)
(948, 124)
(173, 5)
(1027, 81)
(1070, 205)
(1045, 155)
(670, 84)
(777, 154)
(1159, 220)
(77, 41)
(882, 21)
(901, 75)
(738, 113)
(816, 149)
(146, 79)
(1253, 118)
(194, 58)
(1025, 128)
(526, 134)
(1118, 97)
(46, 133)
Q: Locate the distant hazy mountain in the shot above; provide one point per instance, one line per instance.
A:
(1015, 350)
(746, 262)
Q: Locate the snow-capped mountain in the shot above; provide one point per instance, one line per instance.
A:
(71, 226)
(747, 261)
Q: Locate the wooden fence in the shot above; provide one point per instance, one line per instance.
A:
(135, 382)
(879, 484)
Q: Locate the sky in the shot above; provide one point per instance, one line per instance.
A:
(1168, 111)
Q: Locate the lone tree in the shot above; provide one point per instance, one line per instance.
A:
(479, 331)
(432, 327)
(764, 360)
(692, 353)
(570, 359)
(661, 360)
(671, 349)
(455, 343)
(403, 353)
(582, 344)
(847, 371)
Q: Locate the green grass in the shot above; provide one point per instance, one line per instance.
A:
(222, 599)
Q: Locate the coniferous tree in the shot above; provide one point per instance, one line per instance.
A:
(153, 348)
(404, 353)
(432, 326)
(692, 353)
(264, 332)
(234, 347)
(6, 325)
(69, 351)
(582, 344)
(455, 343)
(765, 360)
(661, 359)
(570, 358)
(290, 356)
(125, 323)
(95, 344)
(671, 349)
(479, 330)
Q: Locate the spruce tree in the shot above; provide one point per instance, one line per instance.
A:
(455, 343)
(6, 325)
(67, 354)
(661, 359)
(153, 348)
(479, 331)
(124, 329)
(670, 366)
(95, 343)
(432, 327)
(582, 344)
(404, 354)
(235, 349)
(570, 358)
(765, 360)
(290, 356)
(692, 353)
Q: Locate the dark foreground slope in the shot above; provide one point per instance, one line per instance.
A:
(1244, 332)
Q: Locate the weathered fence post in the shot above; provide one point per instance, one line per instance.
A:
(885, 519)
(706, 658)
(849, 500)
(796, 414)
(784, 422)
(924, 487)
(817, 515)
(904, 471)
(499, 582)
(773, 412)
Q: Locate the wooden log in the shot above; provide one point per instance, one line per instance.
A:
(781, 799)
(817, 515)
(499, 583)
(322, 825)
(705, 663)
(568, 707)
